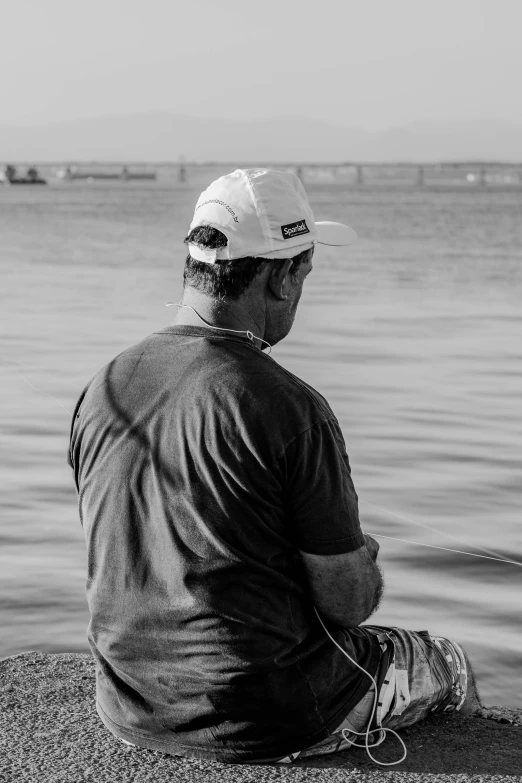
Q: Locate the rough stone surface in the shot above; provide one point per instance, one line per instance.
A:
(50, 733)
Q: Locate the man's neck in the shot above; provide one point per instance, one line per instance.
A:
(232, 314)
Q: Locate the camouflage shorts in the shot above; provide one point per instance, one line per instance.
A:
(420, 674)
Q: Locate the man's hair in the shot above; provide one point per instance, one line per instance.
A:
(226, 279)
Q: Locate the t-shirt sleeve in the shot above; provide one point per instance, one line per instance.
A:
(320, 498)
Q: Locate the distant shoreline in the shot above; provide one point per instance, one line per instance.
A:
(270, 164)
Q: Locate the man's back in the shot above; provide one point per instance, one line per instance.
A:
(203, 468)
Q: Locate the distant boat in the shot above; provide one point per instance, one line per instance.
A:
(32, 177)
(72, 173)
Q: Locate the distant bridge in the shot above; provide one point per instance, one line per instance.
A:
(349, 173)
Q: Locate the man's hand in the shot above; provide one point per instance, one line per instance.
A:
(372, 546)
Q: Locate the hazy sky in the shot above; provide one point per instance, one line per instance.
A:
(372, 63)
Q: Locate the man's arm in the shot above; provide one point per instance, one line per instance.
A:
(346, 588)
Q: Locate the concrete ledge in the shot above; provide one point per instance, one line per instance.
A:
(50, 733)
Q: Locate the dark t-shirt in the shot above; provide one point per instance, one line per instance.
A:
(202, 467)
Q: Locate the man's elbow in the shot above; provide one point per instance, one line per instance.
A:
(346, 618)
(352, 613)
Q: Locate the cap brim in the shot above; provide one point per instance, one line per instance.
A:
(330, 233)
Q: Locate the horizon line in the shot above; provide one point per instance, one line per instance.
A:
(273, 164)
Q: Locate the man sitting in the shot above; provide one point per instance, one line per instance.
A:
(228, 576)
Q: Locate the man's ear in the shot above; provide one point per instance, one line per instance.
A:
(279, 282)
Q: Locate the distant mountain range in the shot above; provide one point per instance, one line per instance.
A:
(165, 137)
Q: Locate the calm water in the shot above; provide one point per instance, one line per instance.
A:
(414, 335)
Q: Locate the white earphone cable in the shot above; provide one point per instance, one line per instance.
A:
(250, 335)
(366, 734)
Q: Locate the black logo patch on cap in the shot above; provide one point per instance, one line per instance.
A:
(294, 229)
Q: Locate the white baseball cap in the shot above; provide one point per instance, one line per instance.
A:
(263, 213)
